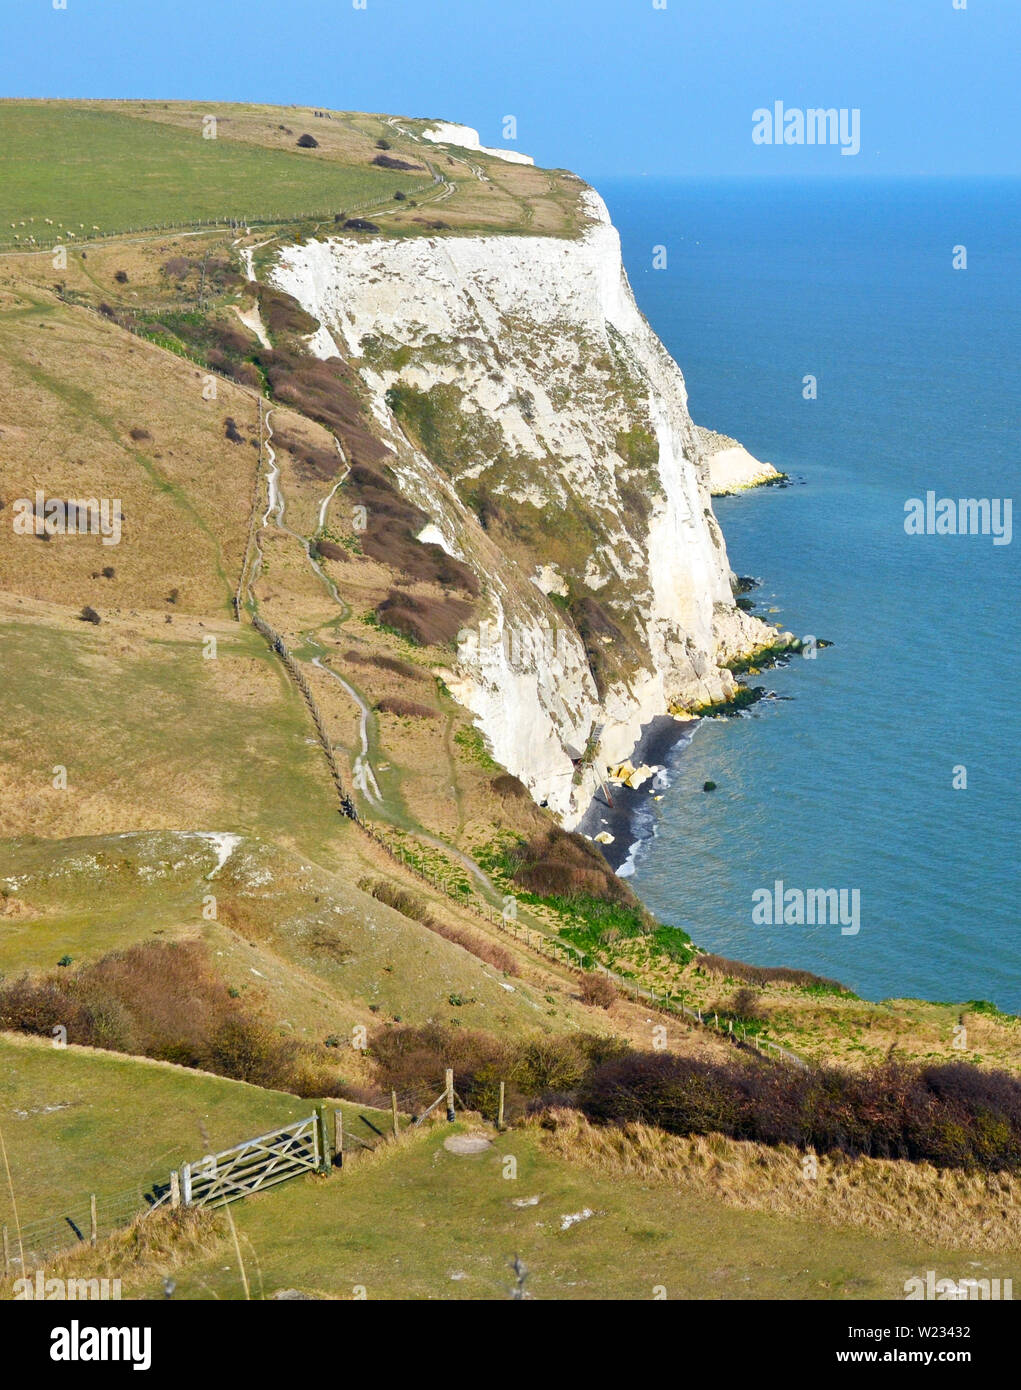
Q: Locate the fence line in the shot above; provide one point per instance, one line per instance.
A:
(199, 223)
(278, 645)
(548, 946)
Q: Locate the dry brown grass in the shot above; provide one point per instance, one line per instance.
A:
(75, 388)
(154, 1246)
(945, 1208)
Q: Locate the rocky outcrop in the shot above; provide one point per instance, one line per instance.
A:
(541, 425)
(731, 467)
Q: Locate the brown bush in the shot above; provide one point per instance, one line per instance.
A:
(165, 1000)
(598, 991)
(386, 161)
(510, 787)
(394, 524)
(401, 899)
(561, 863)
(282, 313)
(307, 142)
(89, 615)
(138, 433)
(328, 550)
(412, 1060)
(387, 663)
(410, 905)
(326, 392)
(953, 1116)
(406, 709)
(426, 620)
(247, 375)
(747, 1003)
(765, 974)
(313, 460)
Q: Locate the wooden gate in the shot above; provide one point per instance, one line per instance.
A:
(251, 1166)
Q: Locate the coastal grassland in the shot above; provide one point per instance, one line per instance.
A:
(818, 1019)
(130, 164)
(942, 1207)
(311, 950)
(413, 1221)
(86, 165)
(152, 734)
(112, 1124)
(92, 412)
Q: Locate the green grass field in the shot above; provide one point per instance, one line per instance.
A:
(76, 1121)
(80, 166)
(422, 1223)
(222, 745)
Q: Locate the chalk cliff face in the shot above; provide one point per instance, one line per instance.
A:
(543, 427)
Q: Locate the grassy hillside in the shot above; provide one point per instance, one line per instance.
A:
(418, 1222)
(73, 167)
(154, 735)
(151, 370)
(115, 1125)
(117, 171)
(307, 947)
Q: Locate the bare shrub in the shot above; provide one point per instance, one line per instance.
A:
(406, 709)
(410, 905)
(510, 787)
(766, 974)
(598, 990)
(386, 161)
(387, 663)
(424, 619)
(89, 615)
(165, 1000)
(328, 550)
(747, 1003)
(561, 863)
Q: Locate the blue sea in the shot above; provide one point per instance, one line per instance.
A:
(847, 780)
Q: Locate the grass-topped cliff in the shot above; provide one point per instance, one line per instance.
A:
(145, 717)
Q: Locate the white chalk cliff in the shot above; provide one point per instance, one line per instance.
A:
(467, 138)
(578, 490)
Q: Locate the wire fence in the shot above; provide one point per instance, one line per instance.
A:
(228, 221)
(84, 1220)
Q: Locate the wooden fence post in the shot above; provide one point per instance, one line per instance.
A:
(449, 1080)
(175, 1189)
(325, 1162)
(7, 1252)
(499, 1113)
(338, 1137)
(393, 1111)
(186, 1185)
(94, 1234)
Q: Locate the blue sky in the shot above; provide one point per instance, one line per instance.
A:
(600, 86)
